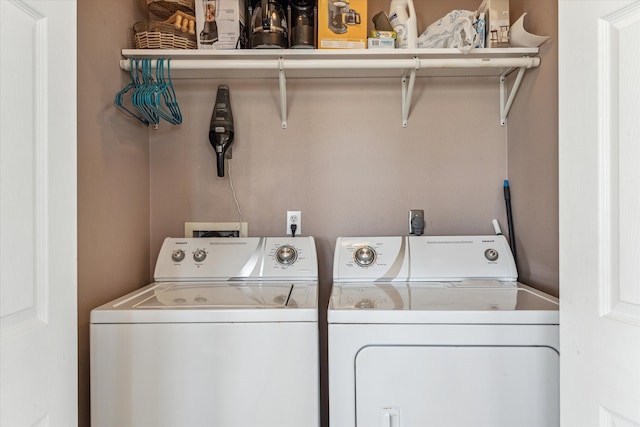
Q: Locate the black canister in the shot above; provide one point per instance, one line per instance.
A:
(268, 28)
(303, 28)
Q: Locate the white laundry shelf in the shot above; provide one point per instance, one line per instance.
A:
(406, 64)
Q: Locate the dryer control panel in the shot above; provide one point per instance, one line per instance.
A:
(423, 258)
(371, 258)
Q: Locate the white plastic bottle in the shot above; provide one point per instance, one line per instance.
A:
(402, 16)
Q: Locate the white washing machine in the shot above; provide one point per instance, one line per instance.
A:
(226, 336)
(436, 331)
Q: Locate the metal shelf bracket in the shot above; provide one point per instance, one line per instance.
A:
(283, 92)
(505, 102)
(407, 91)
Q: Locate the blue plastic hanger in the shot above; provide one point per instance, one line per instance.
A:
(171, 99)
(161, 99)
(143, 94)
(120, 96)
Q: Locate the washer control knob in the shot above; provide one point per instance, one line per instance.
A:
(178, 255)
(491, 254)
(286, 255)
(364, 256)
(199, 255)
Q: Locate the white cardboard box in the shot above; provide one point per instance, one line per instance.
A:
(220, 24)
(496, 22)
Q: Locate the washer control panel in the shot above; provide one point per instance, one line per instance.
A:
(237, 258)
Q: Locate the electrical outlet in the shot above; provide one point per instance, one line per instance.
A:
(416, 222)
(294, 217)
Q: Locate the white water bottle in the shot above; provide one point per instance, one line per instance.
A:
(402, 16)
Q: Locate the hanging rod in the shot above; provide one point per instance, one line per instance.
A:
(345, 64)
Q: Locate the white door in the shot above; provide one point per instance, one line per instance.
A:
(38, 360)
(599, 123)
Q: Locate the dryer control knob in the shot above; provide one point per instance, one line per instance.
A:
(199, 255)
(286, 255)
(364, 256)
(177, 255)
(491, 254)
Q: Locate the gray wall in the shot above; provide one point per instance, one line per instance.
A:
(113, 175)
(533, 153)
(345, 161)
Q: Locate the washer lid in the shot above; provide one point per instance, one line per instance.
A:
(219, 295)
(475, 301)
(176, 302)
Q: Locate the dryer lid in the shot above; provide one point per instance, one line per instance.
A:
(440, 302)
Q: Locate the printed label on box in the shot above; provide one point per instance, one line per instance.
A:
(382, 43)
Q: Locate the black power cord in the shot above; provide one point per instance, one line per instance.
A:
(294, 227)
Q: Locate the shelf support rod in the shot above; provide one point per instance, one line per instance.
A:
(283, 93)
(505, 103)
(407, 91)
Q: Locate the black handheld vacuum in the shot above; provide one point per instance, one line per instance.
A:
(221, 128)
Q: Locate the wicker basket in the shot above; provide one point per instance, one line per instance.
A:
(161, 35)
(163, 9)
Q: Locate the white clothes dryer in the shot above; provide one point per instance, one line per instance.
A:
(436, 331)
(227, 335)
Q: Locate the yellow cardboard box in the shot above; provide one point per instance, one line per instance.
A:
(342, 24)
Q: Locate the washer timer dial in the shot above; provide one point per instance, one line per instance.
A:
(364, 256)
(286, 255)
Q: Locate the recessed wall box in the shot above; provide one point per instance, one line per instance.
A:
(216, 229)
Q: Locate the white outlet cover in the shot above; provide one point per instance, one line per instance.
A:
(297, 214)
